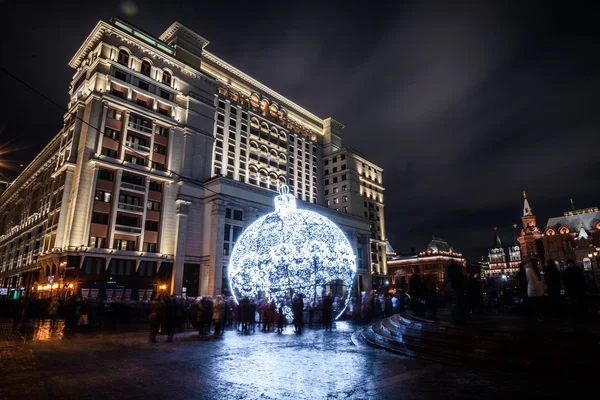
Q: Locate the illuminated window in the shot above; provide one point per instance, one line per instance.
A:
(146, 68)
(123, 57)
(166, 78)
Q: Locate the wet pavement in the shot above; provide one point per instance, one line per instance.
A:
(313, 365)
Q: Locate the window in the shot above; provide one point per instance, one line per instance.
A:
(99, 218)
(120, 75)
(346, 209)
(155, 186)
(336, 200)
(237, 215)
(326, 162)
(106, 174)
(109, 152)
(149, 247)
(220, 117)
(97, 242)
(343, 177)
(153, 205)
(343, 157)
(334, 159)
(335, 179)
(123, 57)
(326, 172)
(335, 190)
(103, 196)
(114, 114)
(141, 102)
(326, 192)
(233, 110)
(135, 159)
(344, 198)
(162, 131)
(160, 149)
(165, 95)
(343, 167)
(93, 266)
(123, 267)
(143, 85)
(166, 78)
(111, 133)
(344, 188)
(146, 68)
(158, 166)
(151, 226)
(334, 170)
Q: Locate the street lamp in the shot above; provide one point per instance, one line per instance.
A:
(595, 254)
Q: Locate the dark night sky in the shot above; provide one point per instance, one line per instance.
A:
(464, 106)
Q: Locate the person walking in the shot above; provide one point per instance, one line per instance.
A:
(575, 289)
(535, 289)
(552, 278)
(170, 319)
(53, 312)
(218, 314)
(297, 309)
(156, 318)
(415, 284)
(280, 318)
(328, 311)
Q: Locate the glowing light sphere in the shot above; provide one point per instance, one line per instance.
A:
(292, 251)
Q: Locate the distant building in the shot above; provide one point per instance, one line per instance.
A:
(514, 253)
(496, 257)
(530, 237)
(432, 261)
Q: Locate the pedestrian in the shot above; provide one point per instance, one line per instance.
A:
(297, 310)
(535, 289)
(53, 312)
(280, 318)
(575, 289)
(430, 287)
(522, 290)
(170, 317)
(328, 311)
(457, 287)
(156, 318)
(218, 314)
(415, 284)
(552, 279)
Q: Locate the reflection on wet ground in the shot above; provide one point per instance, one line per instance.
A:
(313, 365)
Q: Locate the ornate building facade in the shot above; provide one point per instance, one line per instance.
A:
(167, 153)
(432, 261)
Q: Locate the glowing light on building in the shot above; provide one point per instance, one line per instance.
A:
(292, 251)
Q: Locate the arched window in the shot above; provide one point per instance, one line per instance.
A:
(146, 68)
(254, 146)
(264, 149)
(282, 135)
(123, 57)
(587, 264)
(264, 127)
(274, 154)
(254, 122)
(274, 131)
(166, 78)
(282, 157)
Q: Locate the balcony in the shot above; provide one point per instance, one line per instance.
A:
(128, 229)
(138, 147)
(130, 207)
(146, 130)
(133, 186)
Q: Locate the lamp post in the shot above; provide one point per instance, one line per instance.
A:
(596, 255)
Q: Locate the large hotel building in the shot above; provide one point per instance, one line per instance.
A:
(167, 153)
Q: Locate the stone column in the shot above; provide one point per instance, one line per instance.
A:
(180, 242)
(61, 229)
(217, 225)
(102, 127)
(113, 211)
(123, 137)
(92, 198)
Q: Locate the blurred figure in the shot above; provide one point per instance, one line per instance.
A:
(156, 318)
(280, 318)
(457, 284)
(170, 319)
(53, 311)
(522, 289)
(416, 290)
(535, 289)
(245, 313)
(297, 310)
(575, 289)
(218, 314)
(328, 311)
(430, 287)
(552, 279)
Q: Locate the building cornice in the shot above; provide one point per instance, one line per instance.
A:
(290, 105)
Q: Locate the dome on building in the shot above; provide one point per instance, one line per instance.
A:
(438, 244)
(292, 251)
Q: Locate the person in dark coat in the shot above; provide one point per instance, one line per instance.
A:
(156, 318)
(552, 279)
(575, 289)
(416, 289)
(297, 310)
(328, 311)
(522, 289)
(457, 286)
(171, 317)
(280, 318)
(245, 313)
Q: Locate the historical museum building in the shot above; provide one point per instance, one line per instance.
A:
(432, 261)
(499, 263)
(166, 154)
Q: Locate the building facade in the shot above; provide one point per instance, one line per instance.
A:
(433, 261)
(167, 153)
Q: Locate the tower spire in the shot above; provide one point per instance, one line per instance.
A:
(526, 208)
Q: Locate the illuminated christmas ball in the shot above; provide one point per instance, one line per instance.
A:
(292, 251)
